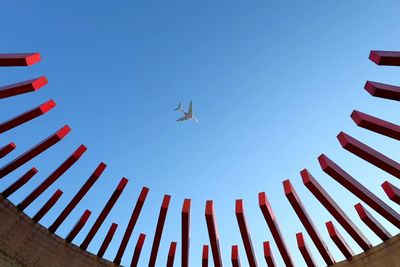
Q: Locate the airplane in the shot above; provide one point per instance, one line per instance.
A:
(187, 115)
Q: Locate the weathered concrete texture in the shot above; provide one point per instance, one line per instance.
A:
(26, 243)
(382, 255)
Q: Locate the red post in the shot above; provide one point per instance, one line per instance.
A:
(385, 58)
(268, 256)
(138, 250)
(235, 256)
(78, 226)
(53, 177)
(307, 222)
(338, 239)
(376, 125)
(22, 87)
(19, 60)
(33, 152)
(244, 232)
(185, 232)
(104, 213)
(372, 223)
(383, 90)
(204, 256)
(78, 197)
(4, 151)
(49, 204)
(159, 230)
(131, 225)
(171, 254)
(368, 154)
(392, 192)
(304, 250)
(213, 233)
(270, 218)
(107, 240)
(27, 116)
(358, 190)
(334, 209)
(19, 183)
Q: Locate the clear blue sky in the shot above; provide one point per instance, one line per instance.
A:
(272, 83)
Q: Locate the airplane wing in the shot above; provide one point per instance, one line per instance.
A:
(182, 119)
(190, 111)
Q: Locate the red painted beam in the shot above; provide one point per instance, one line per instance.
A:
(213, 233)
(376, 125)
(270, 218)
(22, 87)
(326, 200)
(244, 232)
(159, 230)
(4, 151)
(138, 250)
(307, 222)
(49, 204)
(33, 152)
(204, 256)
(78, 197)
(372, 223)
(78, 226)
(104, 213)
(269, 258)
(107, 240)
(185, 232)
(368, 154)
(383, 90)
(385, 58)
(338, 239)
(27, 116)
(304, 250)
(171, 254)
(131, 225)
(71, 160)
(19, 59)
(392, 192)
(19, 183)
(351, 184)
(235, 256)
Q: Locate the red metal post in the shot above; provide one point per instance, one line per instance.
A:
(19, 183)
(383, 90)
(78, 197)
(49, 204)
(372, 223)
(392, 192)
(367, 153)
(171, 254)
(107, 240)
(307, 222)
(159, 230)
(235, 256)
(4, 151)
(204, 256)
(33, 152)
(338, 239)
(376, 125)
(22, 87)
(358, 190)
(53, 177)
(78, 226)
(213, 233)
(185, 232)
(138, 250)
(334, 209)
(269, 258)
(27, 116)
(244, 232)
(19, 60)
(270, 218)
(131, 225)
(386, 58)
(104, 213)
(304, 250)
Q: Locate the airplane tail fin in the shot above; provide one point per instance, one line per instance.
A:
(179, 107)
